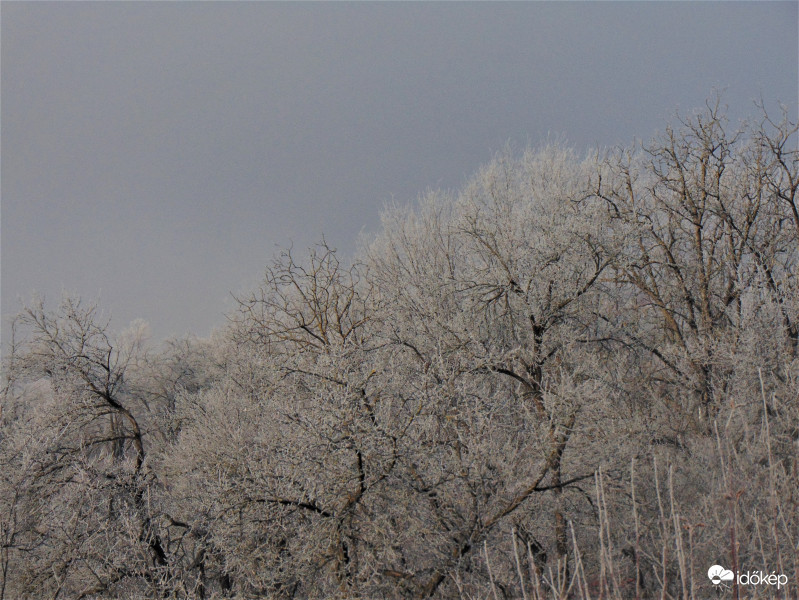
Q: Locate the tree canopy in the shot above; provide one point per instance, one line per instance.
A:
(575, 377)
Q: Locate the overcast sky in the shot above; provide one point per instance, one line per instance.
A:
(157, 155)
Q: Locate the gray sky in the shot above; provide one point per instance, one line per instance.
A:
(159, 154)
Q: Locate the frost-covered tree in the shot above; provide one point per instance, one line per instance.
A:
(572, 378)
(77, 509)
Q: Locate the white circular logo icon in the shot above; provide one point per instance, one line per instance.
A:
(717, 574)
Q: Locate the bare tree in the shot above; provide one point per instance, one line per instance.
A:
(704, 215)
(83, 456)
(572, 378)
(491, 295)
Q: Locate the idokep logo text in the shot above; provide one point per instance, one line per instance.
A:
(719, 575)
